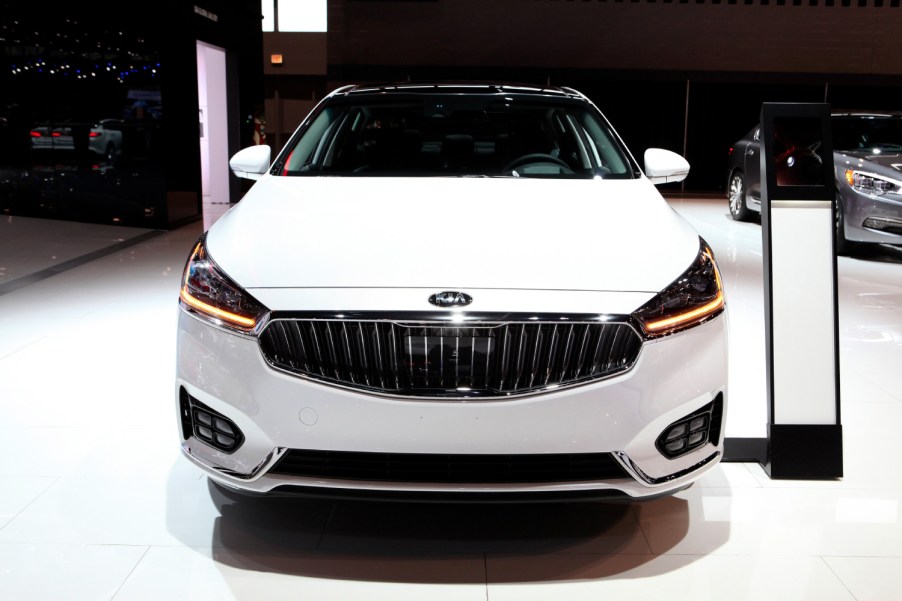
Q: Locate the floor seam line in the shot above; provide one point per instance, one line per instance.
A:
(43, 274)
(130, 572)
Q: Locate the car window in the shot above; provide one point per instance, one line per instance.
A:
(880, 133)
(458, 135)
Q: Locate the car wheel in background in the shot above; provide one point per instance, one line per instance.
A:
(843, 246)
(739, 211)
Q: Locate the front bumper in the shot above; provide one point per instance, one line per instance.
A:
(624, 416)
(872, 218)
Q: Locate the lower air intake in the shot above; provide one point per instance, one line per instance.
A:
(438, 468)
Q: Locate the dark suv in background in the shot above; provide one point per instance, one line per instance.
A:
(867, 160)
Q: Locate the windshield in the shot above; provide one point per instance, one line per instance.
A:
(872, 132)
(456, 135)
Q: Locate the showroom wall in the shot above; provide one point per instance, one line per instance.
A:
(773, 37)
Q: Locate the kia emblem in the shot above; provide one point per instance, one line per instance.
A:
(450, 298)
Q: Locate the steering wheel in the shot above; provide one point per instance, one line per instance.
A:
(536, 157)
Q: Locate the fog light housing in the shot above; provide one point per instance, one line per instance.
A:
(884, 224)
(693, 431)
(207, 425)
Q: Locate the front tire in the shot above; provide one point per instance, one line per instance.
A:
(739, 211)
(844, 247)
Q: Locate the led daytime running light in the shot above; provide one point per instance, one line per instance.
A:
(245, 322)
(670, 322)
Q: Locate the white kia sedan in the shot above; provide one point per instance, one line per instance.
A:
(455, 292)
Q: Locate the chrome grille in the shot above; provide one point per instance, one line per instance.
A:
(435, 359)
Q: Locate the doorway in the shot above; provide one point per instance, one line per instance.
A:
(213, 119)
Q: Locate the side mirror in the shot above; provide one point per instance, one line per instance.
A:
(252, 162)
(663, 166)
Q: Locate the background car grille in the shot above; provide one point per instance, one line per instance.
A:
(439, 468)
(435, 360)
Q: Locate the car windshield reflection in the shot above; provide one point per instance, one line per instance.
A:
(450, 135)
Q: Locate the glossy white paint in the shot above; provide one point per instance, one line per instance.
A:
(664, 166)
(251, 162)
(453, 233)
(336, 300)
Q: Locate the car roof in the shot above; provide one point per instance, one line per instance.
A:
(458, 87)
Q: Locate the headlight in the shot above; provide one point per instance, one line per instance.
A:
(208, 291)
(868, 183)
(694, 297)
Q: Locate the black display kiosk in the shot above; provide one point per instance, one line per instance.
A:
(798, 218)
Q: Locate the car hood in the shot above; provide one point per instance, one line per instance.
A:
(453, 234)
(888, 164)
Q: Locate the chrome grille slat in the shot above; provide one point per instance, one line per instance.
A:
(535, 358)
(349, 360)
(611, 349)
(378, 355)
(362, 347)
(394, 355)
(410, 355)
(432, 359)
(521, 350)
(601, 337)
(456, 361)
(582, 351)
(301, 345)
(472, 355)
(426, 362)
(565, 359)
(441, 361)
(551, 355)
(488, 360)
(333, 357)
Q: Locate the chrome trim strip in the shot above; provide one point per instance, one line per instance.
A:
(454, 317)
(255, 474)
(259, 470)
(644, 478)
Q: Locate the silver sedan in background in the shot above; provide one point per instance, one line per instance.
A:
(867, 159)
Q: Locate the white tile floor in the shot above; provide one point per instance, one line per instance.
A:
(96, 503)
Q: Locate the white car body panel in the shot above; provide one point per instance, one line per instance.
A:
(338, 300)
(333, 232)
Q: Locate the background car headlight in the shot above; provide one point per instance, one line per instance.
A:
(694, 297)
(208, 291)
(868, 183)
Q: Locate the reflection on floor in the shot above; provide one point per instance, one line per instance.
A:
(96, 503)
(34, 249)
